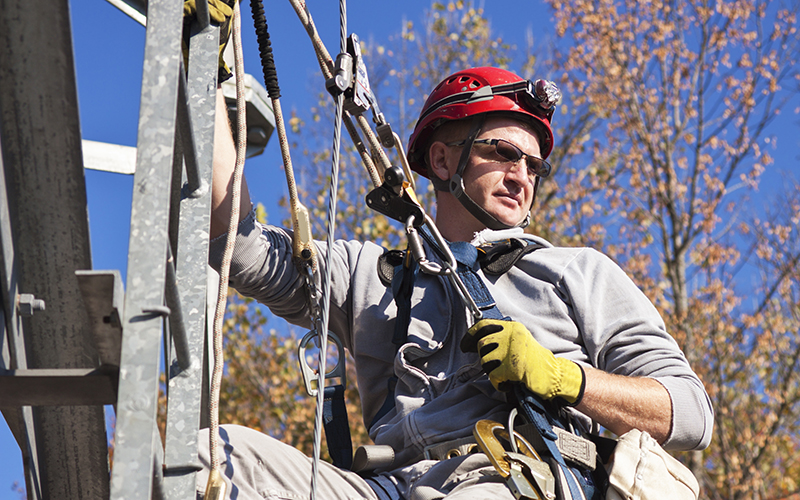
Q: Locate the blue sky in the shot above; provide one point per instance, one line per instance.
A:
(109, 49)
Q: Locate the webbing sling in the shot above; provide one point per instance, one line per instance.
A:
(337, 427)
(467, 257)
(534, 411)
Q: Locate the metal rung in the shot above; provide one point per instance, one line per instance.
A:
(59, 387)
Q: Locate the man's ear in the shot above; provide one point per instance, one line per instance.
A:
(437, 156)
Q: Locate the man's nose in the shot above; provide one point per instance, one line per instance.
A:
(518, 172)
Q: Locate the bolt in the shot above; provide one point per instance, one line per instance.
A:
(27, 304)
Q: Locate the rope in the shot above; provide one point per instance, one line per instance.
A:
(236, 186)
(271, 81)
(322, 332)
(283, 141)
(303, 247)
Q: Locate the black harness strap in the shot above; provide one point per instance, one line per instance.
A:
(498, 258)
(337, 427)
(401, 280)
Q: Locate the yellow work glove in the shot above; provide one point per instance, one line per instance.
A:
(220, 12)
(509, 354)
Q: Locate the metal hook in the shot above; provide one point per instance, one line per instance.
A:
(309, 374)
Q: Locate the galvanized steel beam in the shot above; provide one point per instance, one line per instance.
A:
(136, 443)
(185, 385)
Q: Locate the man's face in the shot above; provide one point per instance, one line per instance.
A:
(502, 188)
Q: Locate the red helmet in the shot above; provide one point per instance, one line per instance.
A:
(484, 90)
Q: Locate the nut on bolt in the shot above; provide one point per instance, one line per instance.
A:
(27, 304)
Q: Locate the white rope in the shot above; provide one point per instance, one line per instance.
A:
(236, 186)
(322, 330)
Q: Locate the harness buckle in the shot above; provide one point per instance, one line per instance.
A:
(527, 476)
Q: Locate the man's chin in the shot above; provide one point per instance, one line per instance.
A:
(511, 220)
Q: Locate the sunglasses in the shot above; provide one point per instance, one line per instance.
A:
(511, 153)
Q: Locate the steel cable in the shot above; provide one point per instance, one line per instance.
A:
(322, 330)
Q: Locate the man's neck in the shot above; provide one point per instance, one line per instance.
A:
(454, 221)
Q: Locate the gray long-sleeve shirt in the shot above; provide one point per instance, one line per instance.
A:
(575, 301)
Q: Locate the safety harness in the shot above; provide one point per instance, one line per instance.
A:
(577, 478)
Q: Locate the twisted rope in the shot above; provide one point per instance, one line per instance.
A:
(236, 187)
(326, 66)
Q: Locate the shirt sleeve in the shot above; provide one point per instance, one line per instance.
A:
(262, 268)
(624, 334)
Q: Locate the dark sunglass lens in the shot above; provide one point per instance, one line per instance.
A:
(508, 151)
(538, 166)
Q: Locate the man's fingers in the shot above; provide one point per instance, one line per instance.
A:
(487, 348)
(505, 386)
(469, 343)
(489, 366)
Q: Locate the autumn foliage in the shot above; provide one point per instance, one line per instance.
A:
(673, 101)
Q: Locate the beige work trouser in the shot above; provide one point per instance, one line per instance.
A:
(257, 466)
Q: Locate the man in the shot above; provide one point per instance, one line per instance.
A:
(582, 333)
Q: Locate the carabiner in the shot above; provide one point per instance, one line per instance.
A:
(309, 374)
(448, 267)
(528, 477)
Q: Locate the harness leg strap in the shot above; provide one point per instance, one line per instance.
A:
(337, 428)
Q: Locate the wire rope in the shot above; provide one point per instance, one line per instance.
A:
(322, 332)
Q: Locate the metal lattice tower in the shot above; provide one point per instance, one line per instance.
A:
(72, 339)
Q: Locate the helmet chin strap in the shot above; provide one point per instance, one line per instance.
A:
(456, 184)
